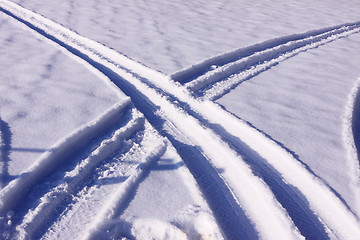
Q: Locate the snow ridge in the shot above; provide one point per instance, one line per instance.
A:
(351, 136)
(117, 199)
(216, 76)
(36, 218)
(191, 72)
(192, 126)
(12, 194)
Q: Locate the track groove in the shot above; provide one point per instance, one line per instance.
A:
(214, 77)
(37, 218)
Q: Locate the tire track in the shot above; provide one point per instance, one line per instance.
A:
(120, 171)
(190, 126)
(214, 77)
(117, 200)
(66, 148)
(121, 119)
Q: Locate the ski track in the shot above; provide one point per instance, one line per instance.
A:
(202, 133)
(214, 77)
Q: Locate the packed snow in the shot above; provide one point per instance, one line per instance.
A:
(179, 120)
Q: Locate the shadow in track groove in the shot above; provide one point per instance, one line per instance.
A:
(356, 123)
(5, 146)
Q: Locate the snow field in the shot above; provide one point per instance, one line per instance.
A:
(179, 33)
(220, 141)
(180, 94)
(34, 227)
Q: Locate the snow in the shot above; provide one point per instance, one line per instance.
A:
(171, 35)
(303, 108)
(96, 145)
(44, 95)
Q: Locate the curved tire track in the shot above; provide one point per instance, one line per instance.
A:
(214, 77)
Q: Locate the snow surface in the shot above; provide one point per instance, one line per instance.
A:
(301, 103)
(80, 159)
(44, 94)
(171, 35)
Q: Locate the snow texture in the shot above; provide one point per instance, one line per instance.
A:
(278, 159)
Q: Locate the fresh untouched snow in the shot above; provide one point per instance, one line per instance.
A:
(44, 95)
(171, 35)
(117, 150)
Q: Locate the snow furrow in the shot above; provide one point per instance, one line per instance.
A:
(326, 205)
(13, 193)
(186, 123)
(193, 71)
(35, 219)
(235, 73)
(112, 206)
(120, 170)
(184, 131)
(214, 69)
